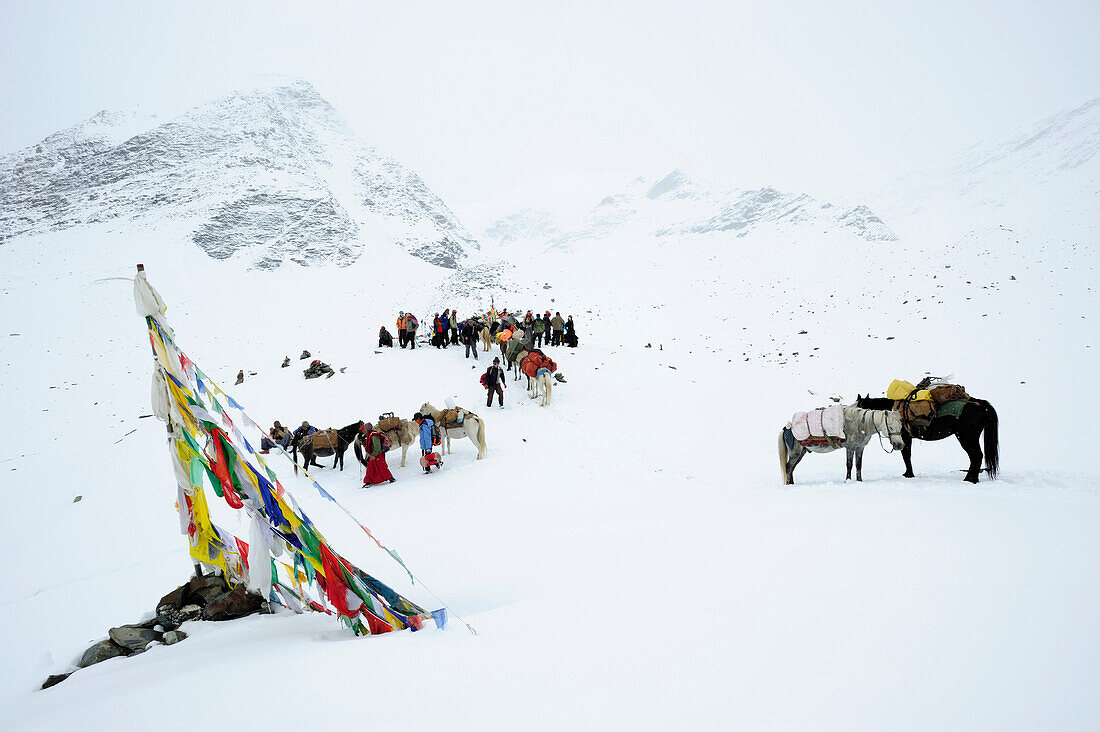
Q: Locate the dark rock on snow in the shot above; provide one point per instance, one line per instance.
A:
(102, 651)
(174, 636)
(133, 638)
(235, 604)
(55, 679)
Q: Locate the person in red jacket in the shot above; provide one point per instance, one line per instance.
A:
(377, 469)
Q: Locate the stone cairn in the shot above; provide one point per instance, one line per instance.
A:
(201, 598)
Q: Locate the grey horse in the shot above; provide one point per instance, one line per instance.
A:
(860, 425)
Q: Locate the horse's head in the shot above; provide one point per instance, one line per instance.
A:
(860, 400)
(894, 427)
(427, 409)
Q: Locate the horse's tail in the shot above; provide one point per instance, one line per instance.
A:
(481, 446)
(992, 456)
(294, 452)
(783, 457)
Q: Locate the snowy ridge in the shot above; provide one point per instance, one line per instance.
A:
(270, 174)
(1051, 167)
(676, 205)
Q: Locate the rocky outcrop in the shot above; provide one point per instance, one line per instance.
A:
(269, 174)
(200, 598)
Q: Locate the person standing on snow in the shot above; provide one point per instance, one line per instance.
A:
(426, 425)
(402, 335)
(495, 383)
(538, 328)
(377, 469)
(454, 327)
(556, 326)
(411, 324)
(570, 333)
(469, 338)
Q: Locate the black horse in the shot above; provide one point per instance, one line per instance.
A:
(344, 437)
(978, 417)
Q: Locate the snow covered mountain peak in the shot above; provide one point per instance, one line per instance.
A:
(676, 205)
(270, 174)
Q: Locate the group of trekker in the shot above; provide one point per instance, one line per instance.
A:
(448, 330)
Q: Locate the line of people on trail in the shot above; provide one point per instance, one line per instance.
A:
(448, 330)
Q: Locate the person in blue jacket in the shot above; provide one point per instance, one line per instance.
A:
(426, 425)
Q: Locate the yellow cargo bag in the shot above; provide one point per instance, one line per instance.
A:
(900, 390)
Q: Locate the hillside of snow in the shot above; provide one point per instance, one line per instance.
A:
(268, 175)
(676, 205)
(627, 554)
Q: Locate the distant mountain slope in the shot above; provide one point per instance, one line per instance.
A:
(1048, 169)
(676, 205)
(271, 174)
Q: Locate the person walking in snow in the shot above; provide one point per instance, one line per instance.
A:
(454, 327)
(377, 469)
(426, 425)
(495, 383)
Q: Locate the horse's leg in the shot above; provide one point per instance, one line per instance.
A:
(797, 453)
(907, 455)
(848, 460)
(859, 465)
(969, 442)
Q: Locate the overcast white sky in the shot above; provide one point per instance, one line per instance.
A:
(481, 96)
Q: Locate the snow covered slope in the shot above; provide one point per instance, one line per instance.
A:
(269, 174)
(627, 554)
(676, 205)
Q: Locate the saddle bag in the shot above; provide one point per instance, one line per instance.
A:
(325, 440)
(948, 393)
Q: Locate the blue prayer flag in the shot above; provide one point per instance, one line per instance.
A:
(440, 617)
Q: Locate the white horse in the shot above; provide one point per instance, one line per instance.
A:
(859, 426)
(486, 340)
(471, 427)
(541, 386)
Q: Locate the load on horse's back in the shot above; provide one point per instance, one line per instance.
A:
(859, 426)
(947, 410)
(470, 426)
(324, 443)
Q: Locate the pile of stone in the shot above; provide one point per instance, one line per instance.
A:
(202, 598)
(318, 368)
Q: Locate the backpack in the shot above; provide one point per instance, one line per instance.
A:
(411, 322)
(437, 439)
(387, 443)
(485, 379)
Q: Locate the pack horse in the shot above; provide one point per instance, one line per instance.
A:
(856, 427)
